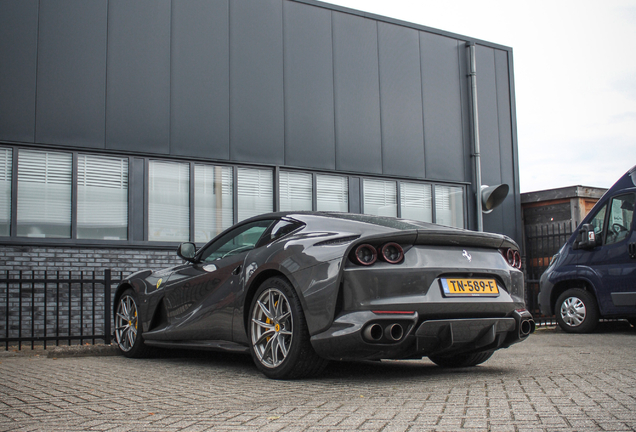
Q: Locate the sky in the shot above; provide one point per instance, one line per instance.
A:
(575, 78)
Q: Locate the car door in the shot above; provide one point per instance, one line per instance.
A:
(200, 305)
(611, 262)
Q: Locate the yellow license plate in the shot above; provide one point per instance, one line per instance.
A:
(470, 287)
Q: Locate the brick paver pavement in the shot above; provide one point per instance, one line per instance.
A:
(552, 382)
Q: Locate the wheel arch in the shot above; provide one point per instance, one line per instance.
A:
(253, 286)
(562, 286)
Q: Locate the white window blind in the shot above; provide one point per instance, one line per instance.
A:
(380, 197)
(102, 197)
(295, 191)
(332, 193)
(6, 159)
(168, 201)
(255, 191)
(449, 206)
(415, 201)
(213, 208)
(44, 194)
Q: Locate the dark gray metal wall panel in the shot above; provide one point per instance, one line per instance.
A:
(256, 88)
(18, 57)
(443, 138)
(71, 107)
(309, 105)
(401, 101)
(511, 207)
(138, 76)
(489, 130)
(357, 94)
(200, 79)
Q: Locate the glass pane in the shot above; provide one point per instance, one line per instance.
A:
(238, 240)
(380, 197)
(598, 220)
(332, 193)
(620, 219)
(449, 206)
(415, 201)
(6, 158)
(213, 207)
(295, 191)
(102, 198)
(169, 201)
(44, 194)
(255, 192)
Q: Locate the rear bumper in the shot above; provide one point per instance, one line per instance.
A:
(367, 335)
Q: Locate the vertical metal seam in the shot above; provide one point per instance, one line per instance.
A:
(377, 41)
(106, 78)
(419, 44)
(37, 56)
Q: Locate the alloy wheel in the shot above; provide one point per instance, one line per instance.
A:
(271, 327)
(126, 323)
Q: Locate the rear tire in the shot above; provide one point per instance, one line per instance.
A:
(461, 360)
(278, 334)
(577, 311)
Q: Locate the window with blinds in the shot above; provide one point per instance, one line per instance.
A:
(44, 194)
(102, 197)
(6, 162)
(255, 190)
(332, 193)
(416, 201)
(295, 191)
(449, 206)
(168, 201)
(213, 201)
(380, 197)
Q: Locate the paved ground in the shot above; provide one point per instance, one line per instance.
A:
(552, 382)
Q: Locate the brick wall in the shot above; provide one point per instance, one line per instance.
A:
(76, 259)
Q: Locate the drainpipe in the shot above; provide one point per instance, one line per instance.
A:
(476, 154)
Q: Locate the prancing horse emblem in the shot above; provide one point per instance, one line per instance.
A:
(467, 255)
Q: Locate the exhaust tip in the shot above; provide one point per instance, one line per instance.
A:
(394, 332)
(526, 327)
(373, 332)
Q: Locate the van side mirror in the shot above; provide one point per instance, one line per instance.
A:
(187, 251)
(586, 237)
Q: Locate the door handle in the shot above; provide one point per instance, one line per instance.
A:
(237, 270)
(632, 250)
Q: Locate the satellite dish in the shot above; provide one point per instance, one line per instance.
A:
(492, 196)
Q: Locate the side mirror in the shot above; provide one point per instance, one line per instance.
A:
(187, 251)
(586, 237)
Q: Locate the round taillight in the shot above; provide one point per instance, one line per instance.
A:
(510, 257)
(392, 253)
(365, 254)
(514, 258)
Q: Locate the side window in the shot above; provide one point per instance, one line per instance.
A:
(598, 221)
(239, 240)
(621, 215)
(281, 229)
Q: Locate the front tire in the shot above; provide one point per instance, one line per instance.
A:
(278, 334)
(461, 360)
(128, 333)
(577, 311)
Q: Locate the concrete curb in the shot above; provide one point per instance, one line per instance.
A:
(83, 351)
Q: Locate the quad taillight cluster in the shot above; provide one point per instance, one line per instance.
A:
(366, 255)
(513, 257)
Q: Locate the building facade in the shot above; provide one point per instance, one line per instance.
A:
(128, 127)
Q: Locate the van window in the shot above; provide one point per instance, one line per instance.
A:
(598, 220)
(620, 219)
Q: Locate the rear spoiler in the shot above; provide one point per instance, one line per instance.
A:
(463, 238)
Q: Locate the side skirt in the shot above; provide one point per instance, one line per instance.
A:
(201, 345)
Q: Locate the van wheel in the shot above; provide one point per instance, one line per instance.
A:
(577, 311)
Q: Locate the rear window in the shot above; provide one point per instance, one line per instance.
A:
(387, 222)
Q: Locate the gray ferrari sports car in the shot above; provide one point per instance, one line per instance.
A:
(298, 289)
